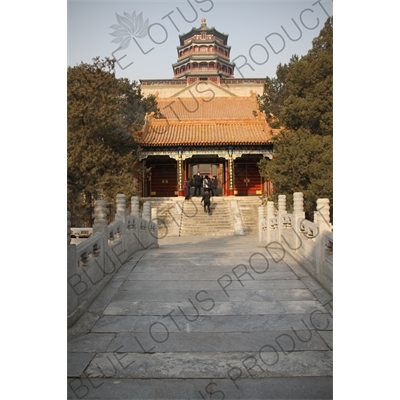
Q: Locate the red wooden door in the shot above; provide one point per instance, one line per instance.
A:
(247, 179)
(163, 180)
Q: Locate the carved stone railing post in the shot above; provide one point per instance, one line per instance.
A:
(100, 221)
(100, 218)
(144, 231)
(321, 219)
(154, 215)
(147, 211)
(298, 203)
(298, 217)
(135, 210)
(120, 215)
(270, 214)
(282, 204)
(321, 216)
(154, 223)
(281, 211)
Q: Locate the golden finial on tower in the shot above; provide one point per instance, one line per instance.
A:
(203, 22)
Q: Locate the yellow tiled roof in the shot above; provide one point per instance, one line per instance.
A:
(197, 133)
(220, 121)
(202, 108)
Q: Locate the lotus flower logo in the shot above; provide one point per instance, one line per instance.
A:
(130, 26)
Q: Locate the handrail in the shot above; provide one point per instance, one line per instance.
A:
(89, 248)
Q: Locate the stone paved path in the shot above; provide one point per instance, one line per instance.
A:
(205, 318)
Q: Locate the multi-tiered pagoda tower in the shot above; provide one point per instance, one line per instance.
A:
(203, 55)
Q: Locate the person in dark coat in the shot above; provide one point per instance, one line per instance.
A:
(214, 185)
(198, 183)
(192, 186)
(186, 187)
(206, 200)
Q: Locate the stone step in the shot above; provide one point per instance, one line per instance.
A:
(205, 228)
(249, 214)
(216, 212)
(212, 216)
(168, 219)
(210, 232)
(207, 221)
(195, 222)
(188, 218)
(209, 365)
(314, 387)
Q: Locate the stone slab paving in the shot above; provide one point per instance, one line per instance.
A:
(205, 318)
(211, 341)
(307, 388)
(213, 323)
(217, 295)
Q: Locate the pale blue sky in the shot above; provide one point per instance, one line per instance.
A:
(247, 24)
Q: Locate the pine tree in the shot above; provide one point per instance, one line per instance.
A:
(301, 98)
(308, 94)
(103, 155)
(302, 162)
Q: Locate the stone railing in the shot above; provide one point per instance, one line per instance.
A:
(92, 263)
(309, 243)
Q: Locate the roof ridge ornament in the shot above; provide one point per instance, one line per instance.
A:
(203, 22)
(147, 121)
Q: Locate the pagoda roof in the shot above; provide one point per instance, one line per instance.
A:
(203, 42)
(205, 121)
(208, 58)
(203, 28)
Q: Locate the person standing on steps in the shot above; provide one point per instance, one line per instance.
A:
(192, 186)
(186, 187)
(214, 185)
(206, 200)
(210, 186)
(206, 184)
(198, 182)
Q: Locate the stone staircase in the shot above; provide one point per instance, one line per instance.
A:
(248, 207)
(168, 216)
(195, 222)
(177, 217)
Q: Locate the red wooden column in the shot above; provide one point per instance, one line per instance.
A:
(179, 171)
(231, 174)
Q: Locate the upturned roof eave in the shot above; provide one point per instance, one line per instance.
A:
(203, 41)
(202, 144)
(194, 30)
